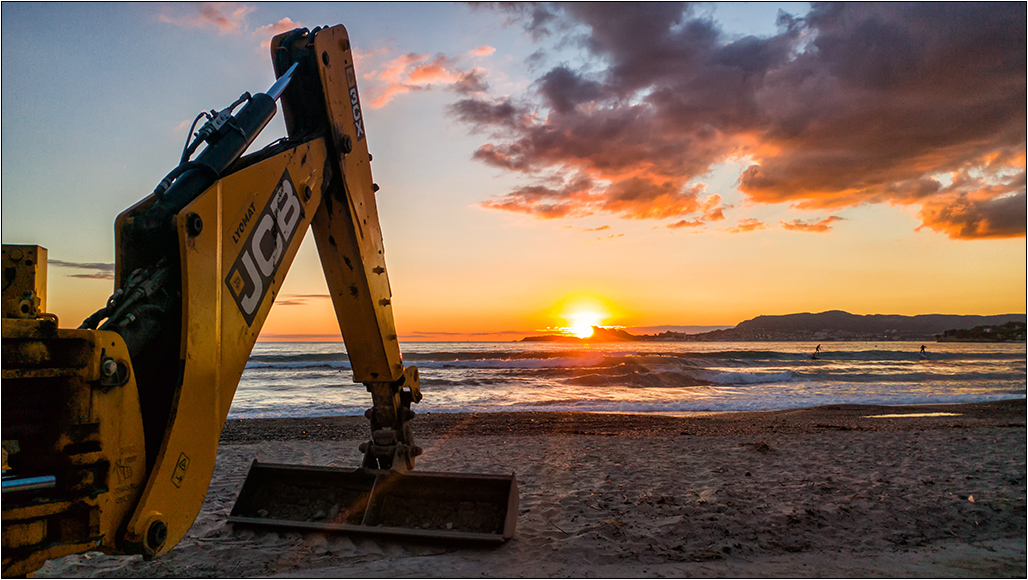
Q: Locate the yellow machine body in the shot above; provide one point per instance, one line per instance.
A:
(217, 339)
(71, 397)
(97, 457)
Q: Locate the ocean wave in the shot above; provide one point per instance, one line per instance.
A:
(911, 355)
(749, 378)
(636, 379)
(309, 380)
(698, 405)
(512, 358)
(335, 365)
(746, 355)
(307, 357)
(508, 363)
(456, 383)
(905, 377)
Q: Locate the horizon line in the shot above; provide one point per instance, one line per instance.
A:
(442, 336)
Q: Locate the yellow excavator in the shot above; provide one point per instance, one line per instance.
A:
(110, 430)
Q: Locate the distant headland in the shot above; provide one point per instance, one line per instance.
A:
(834, 325)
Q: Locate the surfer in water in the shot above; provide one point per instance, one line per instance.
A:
(816, 350)
(924, 354)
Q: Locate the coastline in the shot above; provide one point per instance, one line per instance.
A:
(823, 491)
(801, 420)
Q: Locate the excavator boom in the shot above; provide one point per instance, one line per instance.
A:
(110, 430)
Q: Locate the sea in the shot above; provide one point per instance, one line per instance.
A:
(668, 378)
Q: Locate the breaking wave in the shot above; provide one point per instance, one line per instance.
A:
(290, 379)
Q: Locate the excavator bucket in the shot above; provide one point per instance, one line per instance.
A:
(432, 505)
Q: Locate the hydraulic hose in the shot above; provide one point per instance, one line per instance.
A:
(190, 179)
(196, 176)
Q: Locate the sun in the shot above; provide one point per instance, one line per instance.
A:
(582, 323)
(581, 313)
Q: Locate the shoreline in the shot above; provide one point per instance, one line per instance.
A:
(802, 419)
(825, 491)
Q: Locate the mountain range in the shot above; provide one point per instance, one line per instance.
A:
(831, 325)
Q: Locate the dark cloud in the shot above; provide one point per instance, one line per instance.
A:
(967, 218)
(564, 90)
(100, 270)
(909, 104)
(298, 299)
(564, 199)
(472, 81)
(481, 113)
(536, 17)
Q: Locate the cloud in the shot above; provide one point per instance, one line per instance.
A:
(686, 224)
(298, 299)
(418, 335)
(226, 17)
(484, 50)
(471, 82)
(276, 337)
(436, 71)
(482, 114)
(636, 197)
(822, 226)
(597, 229)
(363, 59)
(969, 218)
(852, 103)
(100, 270)
(713, 208)
(554, 200)
(420, 72)
(747, 225)
(269, 31)
(284, 25)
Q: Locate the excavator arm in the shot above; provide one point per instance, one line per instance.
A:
(129, 407)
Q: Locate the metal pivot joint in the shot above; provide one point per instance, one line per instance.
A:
(392, 439)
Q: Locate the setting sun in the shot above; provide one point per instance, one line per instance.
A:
(582, 323)
(581, 312)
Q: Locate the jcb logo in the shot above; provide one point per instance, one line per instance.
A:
(254, 269)
(355, 103)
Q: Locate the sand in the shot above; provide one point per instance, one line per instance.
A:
(829, 491)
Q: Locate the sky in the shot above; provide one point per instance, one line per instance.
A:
(541, 165)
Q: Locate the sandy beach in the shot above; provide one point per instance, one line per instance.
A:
(927, 491)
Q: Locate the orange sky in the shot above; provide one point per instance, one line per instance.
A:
(680, 166)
